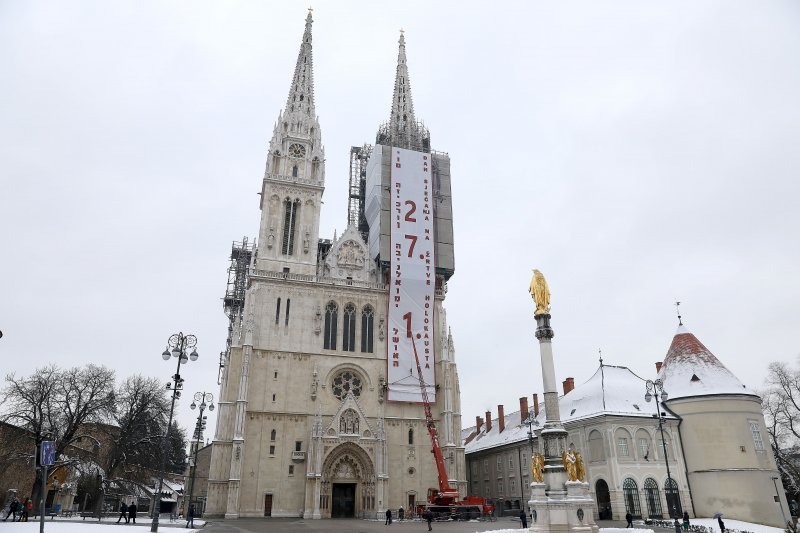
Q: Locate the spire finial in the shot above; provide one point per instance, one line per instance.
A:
(601, 356)
(678, 310)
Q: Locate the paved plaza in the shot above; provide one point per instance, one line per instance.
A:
(291, 525)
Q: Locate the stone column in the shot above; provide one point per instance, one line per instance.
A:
(554, 437)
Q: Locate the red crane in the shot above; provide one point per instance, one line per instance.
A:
(445, 502)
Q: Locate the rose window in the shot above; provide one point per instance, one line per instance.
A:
(347, 381)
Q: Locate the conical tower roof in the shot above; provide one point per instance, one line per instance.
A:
(690, 369)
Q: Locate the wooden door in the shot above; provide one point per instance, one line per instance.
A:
(268, 505)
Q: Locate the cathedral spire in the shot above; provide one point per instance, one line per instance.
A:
(402, 103)
(301, 92)
(403, 130)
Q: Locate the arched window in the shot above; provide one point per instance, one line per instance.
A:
(631, 494)
(345, 382)
(331, 322)
(643, 446)
(623, 441)
(596, 450)
(673, 498)
(411, 435)
(291, 210)
(367, 323)
(349, 329)
(653, 498)
(294, 171)
(278, 311)
(273, 434)
(665, 445)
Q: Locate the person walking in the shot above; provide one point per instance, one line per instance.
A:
(388, 517)
(400, 513)
(123, 512)
(25, 510)
(429, 519)
(12, 510)
(190, 516)
(132, 512)
(629, 519)
(686, 520)
(721, 524)
(523, 518)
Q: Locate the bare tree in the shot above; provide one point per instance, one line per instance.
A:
(781, 404)
(57, 404)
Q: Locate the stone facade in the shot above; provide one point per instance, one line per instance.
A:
(304, 427)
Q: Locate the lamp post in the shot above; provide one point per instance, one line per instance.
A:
(656, 389)
(177, 345)
(205, 399)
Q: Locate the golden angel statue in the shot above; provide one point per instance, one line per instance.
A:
(540, 293)
(537, 467)
(570, 463)
(580, 473)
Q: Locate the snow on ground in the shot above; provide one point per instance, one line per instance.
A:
(707, 522)
(734, 524)
(67, 526)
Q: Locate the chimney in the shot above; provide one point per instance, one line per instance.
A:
(659, 364)
(569, 384)
(501, 418)
(478, 424)
(488, 421)
(535, 404)
(523, 408)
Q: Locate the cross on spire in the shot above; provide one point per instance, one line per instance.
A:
(678, 310)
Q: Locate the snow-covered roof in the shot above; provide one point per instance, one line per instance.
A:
(690, 369)
(612, 390)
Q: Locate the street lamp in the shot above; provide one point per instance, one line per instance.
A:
(177, 345)
(656, 389)
(205, 399)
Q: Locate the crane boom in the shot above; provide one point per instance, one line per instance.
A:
(446, 492)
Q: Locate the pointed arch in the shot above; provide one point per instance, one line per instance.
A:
(331, 323)
(349, 328)
(367, 329)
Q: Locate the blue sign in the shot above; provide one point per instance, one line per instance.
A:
(48, 454)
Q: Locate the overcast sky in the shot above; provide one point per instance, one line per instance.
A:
(635, 152)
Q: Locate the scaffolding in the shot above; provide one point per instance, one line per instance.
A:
(233, 302)
(359, 155)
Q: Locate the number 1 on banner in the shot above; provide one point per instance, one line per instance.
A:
(407, 318)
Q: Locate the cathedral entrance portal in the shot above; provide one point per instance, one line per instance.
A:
(347, 486)
(344, 500)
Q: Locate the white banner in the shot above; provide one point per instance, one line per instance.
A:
(413, 279)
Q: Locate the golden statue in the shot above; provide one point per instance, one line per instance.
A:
(540, 293)
(537, 467)
(580, 473)
(570, 463)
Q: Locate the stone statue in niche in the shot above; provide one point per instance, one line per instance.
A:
(348, 423)
(271, 237)
(318, 321)
(314, 384)
(306, 241)
(381, 323)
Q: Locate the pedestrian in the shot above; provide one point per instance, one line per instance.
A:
(123, 512)
(12, 510)
(132, 512)
(629, 519)
(401, 513)
(388, 517)
(429, 519)
(677, 526)
(686, 520)
(523, 518)
(190, 516)
(27, 505)
(721, 524)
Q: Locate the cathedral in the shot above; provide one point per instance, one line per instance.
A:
(335, 346)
